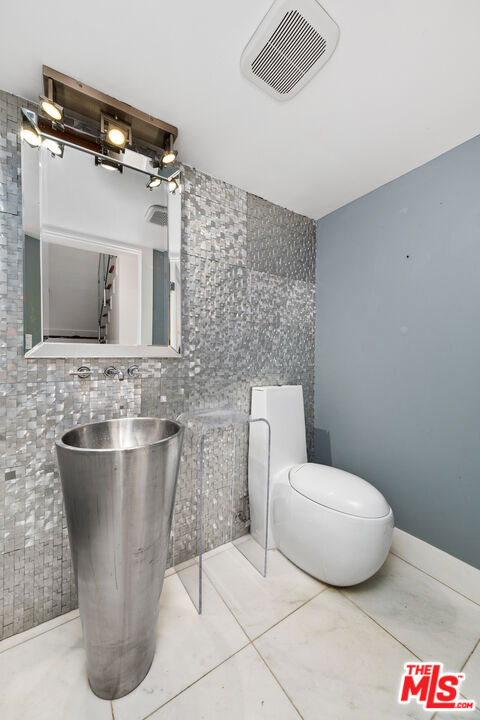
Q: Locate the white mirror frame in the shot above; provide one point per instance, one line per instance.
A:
(87, 350)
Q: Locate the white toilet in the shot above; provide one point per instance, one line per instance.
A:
(332, 524)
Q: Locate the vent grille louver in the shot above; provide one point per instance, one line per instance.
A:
(291, 51)
(294, 40)
(157, 214)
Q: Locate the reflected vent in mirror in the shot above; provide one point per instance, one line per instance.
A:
(157, 214)
(293, 41)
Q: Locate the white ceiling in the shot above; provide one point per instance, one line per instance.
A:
(401, 88)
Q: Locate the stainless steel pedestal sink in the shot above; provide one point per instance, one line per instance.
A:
(119, 479)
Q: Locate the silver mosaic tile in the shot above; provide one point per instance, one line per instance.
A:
(248, 319)
(279, 242)
(199, 184)
(215, 231)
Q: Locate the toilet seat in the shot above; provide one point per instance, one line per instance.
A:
(338, 490)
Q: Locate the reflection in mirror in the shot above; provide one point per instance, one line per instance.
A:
(76, 289)
(101, 255)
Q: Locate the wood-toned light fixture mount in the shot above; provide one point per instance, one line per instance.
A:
(92, 104)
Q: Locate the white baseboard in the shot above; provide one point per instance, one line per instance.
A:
(446, 568)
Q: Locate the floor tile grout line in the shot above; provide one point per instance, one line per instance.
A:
(238, 621)
(277, 680)
(434, 578)
(223, 661)
(393, 636)
(292, 612)
(194, 682)
(39, 634)
(377, 623)
(226, 604)
(470, 655)
(249, 643)
(271, 626)
(465, 697)
(194, 561)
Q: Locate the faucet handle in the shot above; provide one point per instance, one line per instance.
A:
(82, 372)
(135, 372)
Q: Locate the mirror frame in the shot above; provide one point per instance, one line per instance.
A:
(54, 350)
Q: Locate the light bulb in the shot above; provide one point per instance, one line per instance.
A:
(52, 109)
(154, 182)
(169, 157)
(30, 136)
(108, 164)
(52, 145)
(116, 137)
(172, 185)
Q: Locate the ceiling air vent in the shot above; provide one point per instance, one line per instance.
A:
(157, 214)
(293, 41)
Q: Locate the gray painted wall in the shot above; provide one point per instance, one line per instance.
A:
(397, 388)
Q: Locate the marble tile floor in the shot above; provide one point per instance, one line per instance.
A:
(280, 647)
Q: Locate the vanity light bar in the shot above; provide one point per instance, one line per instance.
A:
(169, 155)
(70, 94)
(117, 134)
(70, 137)
(48, 104)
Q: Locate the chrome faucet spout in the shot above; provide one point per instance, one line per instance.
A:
(111, 371)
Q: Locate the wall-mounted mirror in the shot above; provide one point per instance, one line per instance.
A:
(101, 256)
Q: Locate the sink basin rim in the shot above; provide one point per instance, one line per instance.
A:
(61, 444)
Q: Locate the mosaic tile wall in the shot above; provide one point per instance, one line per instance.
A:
(248, 318)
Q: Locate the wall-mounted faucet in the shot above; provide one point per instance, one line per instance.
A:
(82, 372)
(111, 371)
(133, 371)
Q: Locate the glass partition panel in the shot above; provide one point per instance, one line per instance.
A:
(220, 506)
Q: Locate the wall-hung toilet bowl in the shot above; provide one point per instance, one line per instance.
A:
(332, 524)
